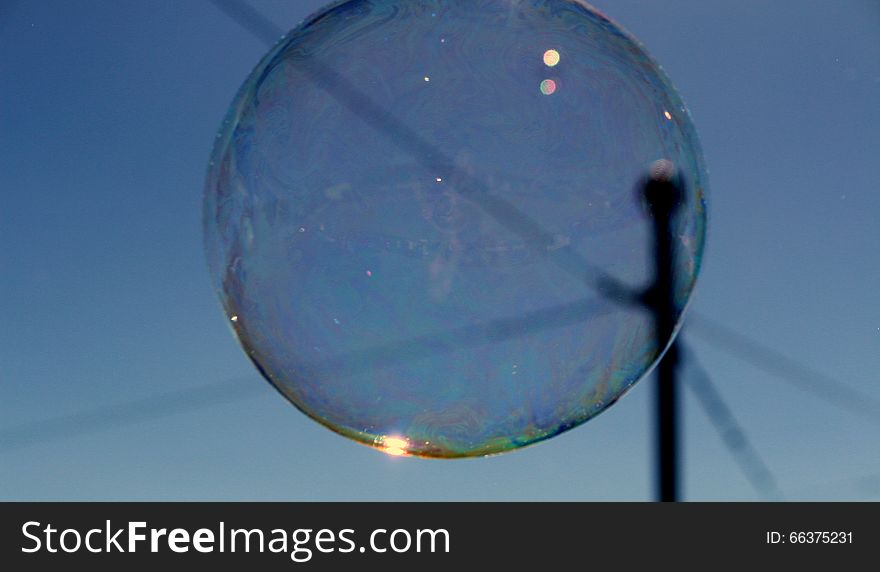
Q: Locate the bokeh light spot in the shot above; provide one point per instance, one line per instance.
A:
(548, 87)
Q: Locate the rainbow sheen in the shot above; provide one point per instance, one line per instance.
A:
(548, 87)
(392, 208)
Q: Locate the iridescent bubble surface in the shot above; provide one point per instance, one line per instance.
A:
(409, 205)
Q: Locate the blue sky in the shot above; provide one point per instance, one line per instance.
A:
(107, 114)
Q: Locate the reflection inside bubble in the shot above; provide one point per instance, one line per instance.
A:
(393, 253)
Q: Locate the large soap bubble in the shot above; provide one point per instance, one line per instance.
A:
(414, 207)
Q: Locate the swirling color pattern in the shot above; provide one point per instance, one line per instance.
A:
(371, 206)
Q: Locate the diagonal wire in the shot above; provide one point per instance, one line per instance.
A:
(731, 432)
(521, 224)
(191, 399)
(128, 413)
(492, 331)
(785, 368)
(178, 402)
(251, 20)
(436, 161)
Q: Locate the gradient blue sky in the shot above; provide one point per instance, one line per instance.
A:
(108, 111)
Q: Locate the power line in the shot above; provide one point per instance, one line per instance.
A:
(566, 258)
(783, 367)
(731, 432)
(438, 163)
(128, 413)
(480, 333)
(251, 20)
(521, 224)
(190, 399)
(164, 405)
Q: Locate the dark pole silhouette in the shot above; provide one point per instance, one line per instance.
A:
(663, 194)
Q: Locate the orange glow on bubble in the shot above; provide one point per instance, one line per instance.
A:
(394, 446)
(551, 58)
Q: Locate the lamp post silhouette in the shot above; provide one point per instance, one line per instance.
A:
(662, 191)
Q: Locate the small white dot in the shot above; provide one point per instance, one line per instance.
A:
(234, 318)
(439, 179)
(427, 78)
